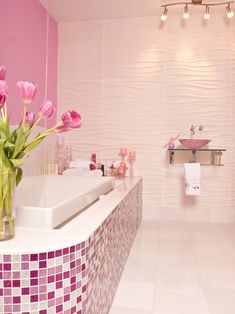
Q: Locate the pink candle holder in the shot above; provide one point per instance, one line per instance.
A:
(131, 160)
(131, 155)
(60, 154)
(123, 153)
(68, 155)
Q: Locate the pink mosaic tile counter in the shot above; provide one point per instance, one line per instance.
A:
(75, 269)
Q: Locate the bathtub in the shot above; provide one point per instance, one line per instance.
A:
(75, 268)
(48, 202)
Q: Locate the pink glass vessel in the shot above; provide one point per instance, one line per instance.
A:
(194, 143)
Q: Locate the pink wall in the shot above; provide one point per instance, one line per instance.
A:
(23, 52)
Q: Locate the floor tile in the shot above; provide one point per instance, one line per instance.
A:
(135, 295)
(143, 272)
(193, 301)
(221, 301)
(209, 245)
(215, 261)
(177, 279)
(176, 258)
(174, 234)
(175, 245)
(119, 310)
(218, 278)
(147, 256)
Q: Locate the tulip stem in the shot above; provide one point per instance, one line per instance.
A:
(24, 115)
(51, 129)
(38, 138)
(33, 126)
(3, 114)
(56, 126)
(4, 111)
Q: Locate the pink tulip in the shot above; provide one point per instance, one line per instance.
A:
(47, 109)
(2, 72)
(3, 93)
(71, 119)
(26, 91)
(30, 118)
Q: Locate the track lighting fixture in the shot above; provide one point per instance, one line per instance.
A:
(186, 5)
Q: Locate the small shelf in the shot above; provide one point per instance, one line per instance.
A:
(216, 154)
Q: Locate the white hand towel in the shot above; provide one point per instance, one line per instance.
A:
(81, 163)
(192, 187)
(192, 171)
(192, 178)
(83, 172)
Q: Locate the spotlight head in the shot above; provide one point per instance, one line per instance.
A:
(164, 14)
(230, 13)
(207, 13)
(186, 13)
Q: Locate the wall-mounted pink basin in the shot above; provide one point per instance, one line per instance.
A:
(193, 143)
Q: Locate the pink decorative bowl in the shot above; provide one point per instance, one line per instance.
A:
(193, 143)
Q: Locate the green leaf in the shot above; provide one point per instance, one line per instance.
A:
(2, 142)
(17, 162)
(13, 136)
(8, 144)
(19, 173)
(4, 128)
(3, 156)
(34, 143)
(20, 142)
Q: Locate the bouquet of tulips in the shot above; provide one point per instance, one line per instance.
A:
(15, 144)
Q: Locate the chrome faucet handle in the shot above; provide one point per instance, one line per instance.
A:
(192, 129)
(200, 128)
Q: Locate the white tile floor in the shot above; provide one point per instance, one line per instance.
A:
(179, 268)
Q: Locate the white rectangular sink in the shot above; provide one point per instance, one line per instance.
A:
(46, 202)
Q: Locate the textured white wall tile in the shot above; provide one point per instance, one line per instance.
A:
(136, 83)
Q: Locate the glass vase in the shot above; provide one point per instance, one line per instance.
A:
(7, 209)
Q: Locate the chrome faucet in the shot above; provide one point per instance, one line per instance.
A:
(192, 130)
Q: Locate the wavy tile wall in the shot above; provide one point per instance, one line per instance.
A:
(136, 83)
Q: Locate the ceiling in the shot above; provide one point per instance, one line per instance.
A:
(82, 10)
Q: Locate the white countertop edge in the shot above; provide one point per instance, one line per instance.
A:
(29, 240)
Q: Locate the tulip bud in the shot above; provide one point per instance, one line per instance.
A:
(47, 109)
(30, 118)
(26, 91)
(2, 72)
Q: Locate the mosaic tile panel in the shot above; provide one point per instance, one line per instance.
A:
(114, 242)
(78, 279)
(45, 283)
